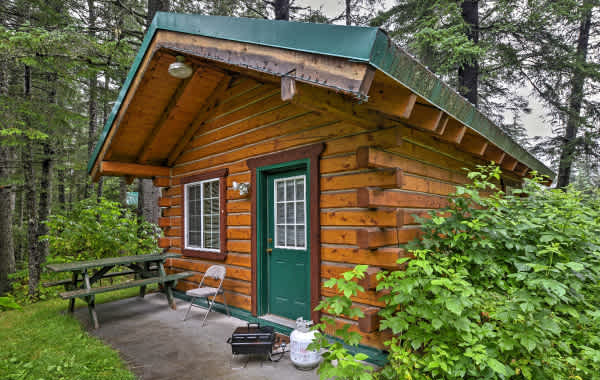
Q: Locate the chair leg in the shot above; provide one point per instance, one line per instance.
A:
(210, 305)
(189, 308)
(225, 303)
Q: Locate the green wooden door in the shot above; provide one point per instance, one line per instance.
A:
(288, 292)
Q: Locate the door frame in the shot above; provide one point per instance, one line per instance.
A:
(262, 227)
(259, 167)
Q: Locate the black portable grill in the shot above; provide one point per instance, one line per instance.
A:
(252, 339)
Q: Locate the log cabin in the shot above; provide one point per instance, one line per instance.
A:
(291, 152)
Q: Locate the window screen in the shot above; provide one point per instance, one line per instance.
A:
(202, 215)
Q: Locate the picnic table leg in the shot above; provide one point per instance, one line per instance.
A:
(143, 287)
(167, 286)
(170, 299)
(74, 286)
(91, 300)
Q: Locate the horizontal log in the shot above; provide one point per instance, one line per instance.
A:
(369, 282)
(373, 339)
(201, 266)
(338, 164)
(112, 168)
(368, 297)
(239, 233)
(169, 222)
(383, 178)
(238, 246)
(172, 211)
(370, 322)
(383, 257)
(237, 286)
(424, 185)
(238, 220)
(168, 202)
(386, 198)
(369, 157)
(369, 239)
(339, 199)
(380, 218)
(338, 236)
(238, 206)
(167, 242)
(233, 299)
(162, 181)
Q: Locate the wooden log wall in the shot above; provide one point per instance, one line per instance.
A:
(373, 180)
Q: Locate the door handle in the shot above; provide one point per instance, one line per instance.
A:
(269, 250)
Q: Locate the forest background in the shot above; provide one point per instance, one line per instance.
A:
(62, 63)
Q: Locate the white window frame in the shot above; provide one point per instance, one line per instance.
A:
(275, 212)
(187, 215)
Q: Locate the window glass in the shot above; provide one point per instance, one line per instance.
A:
(290, 213)
(202, 215)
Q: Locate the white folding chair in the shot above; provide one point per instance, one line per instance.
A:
(216, 272)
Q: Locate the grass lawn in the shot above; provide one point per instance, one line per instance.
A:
(41, 342)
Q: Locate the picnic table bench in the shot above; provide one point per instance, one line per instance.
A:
(148, 269)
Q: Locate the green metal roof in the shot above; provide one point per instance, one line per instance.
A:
(362, 44)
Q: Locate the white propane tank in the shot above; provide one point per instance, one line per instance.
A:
(300, 338)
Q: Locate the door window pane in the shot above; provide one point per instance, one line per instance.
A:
(290, 211)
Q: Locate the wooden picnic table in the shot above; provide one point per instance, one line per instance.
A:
(148, 269)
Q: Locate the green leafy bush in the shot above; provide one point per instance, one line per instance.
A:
(504, 286)
(97, 229)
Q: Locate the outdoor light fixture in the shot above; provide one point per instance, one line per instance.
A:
(243, 188)
(180, 69)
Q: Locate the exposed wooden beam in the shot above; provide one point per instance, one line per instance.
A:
(474, 144)
(453, 132)
(441, 128)
(521, 169)
(391, 99)
(206, 112)
(493, 153)
(113, 168)
(145, 151)
(509, 163)
(425, 117)
(288, 88)
(337, 105)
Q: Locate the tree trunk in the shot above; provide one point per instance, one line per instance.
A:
(29, 187)
(148, 196)
(60, 177)
(282, 9)
(156, 6)
(7, 203)
(7, 248)
(348, 12)
(45, 200)
(93, 94)
(123, 191)
(468, 73)
(575, 100)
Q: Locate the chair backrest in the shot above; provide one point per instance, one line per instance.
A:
(215, 271)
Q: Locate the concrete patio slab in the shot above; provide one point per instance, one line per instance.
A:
(157, 344)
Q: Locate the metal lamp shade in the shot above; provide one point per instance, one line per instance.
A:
(180, 69)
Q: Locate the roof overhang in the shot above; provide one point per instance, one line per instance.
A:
(349, 60)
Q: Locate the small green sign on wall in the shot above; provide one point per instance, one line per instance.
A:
(132, 198)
